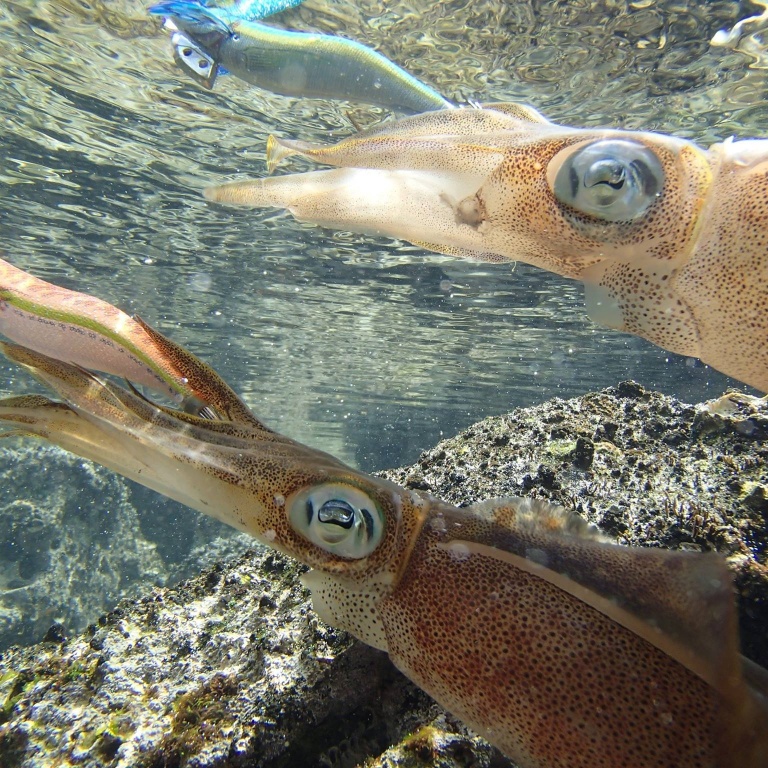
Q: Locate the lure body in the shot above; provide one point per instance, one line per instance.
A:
(300, 64)
(189, 55)
(563, 649)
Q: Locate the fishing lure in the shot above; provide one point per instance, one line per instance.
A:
(301, 64)
(194, 60)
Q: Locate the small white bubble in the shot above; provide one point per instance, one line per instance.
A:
(270, 535)
(458, 551)
(279, 499)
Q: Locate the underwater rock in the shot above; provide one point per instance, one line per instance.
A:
(229, 668)
(233, 668)
(60, 519)
(58, 561)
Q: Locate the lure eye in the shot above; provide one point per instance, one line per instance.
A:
(610, 179)
(338, 518)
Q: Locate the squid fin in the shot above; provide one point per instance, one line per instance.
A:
(680, 602)
(516, 512)
(519, 111)
(464, 253)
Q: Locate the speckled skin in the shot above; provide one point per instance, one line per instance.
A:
(690, 274)
(544, 675)
(564, 650)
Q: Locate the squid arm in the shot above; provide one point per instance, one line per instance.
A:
(88, 332)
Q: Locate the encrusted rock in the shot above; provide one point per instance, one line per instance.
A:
(233, 668)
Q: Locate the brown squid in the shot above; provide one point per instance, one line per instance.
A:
(669, 239)
(563, 649)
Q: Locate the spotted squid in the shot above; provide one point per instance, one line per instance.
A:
(560, 647)
(669, 239)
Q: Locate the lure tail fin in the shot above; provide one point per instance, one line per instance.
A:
(192, 14)
(253, 10)
(235, 10)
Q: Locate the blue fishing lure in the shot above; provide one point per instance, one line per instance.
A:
(187, 53)
(208, 38)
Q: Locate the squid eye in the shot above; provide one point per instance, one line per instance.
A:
(338, 518)
(611, 179)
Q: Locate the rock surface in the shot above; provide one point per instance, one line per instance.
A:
(60, 520)
(233, 668)
(56, 562)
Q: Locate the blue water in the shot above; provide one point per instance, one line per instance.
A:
(365, 347)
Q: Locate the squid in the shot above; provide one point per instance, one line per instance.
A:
(560, 647)
(669, 239)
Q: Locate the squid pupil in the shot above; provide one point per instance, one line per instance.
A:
(608, 172)
(643, 172)
(368, 519)
(573, 178)
(337, 512)
(310, 511)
